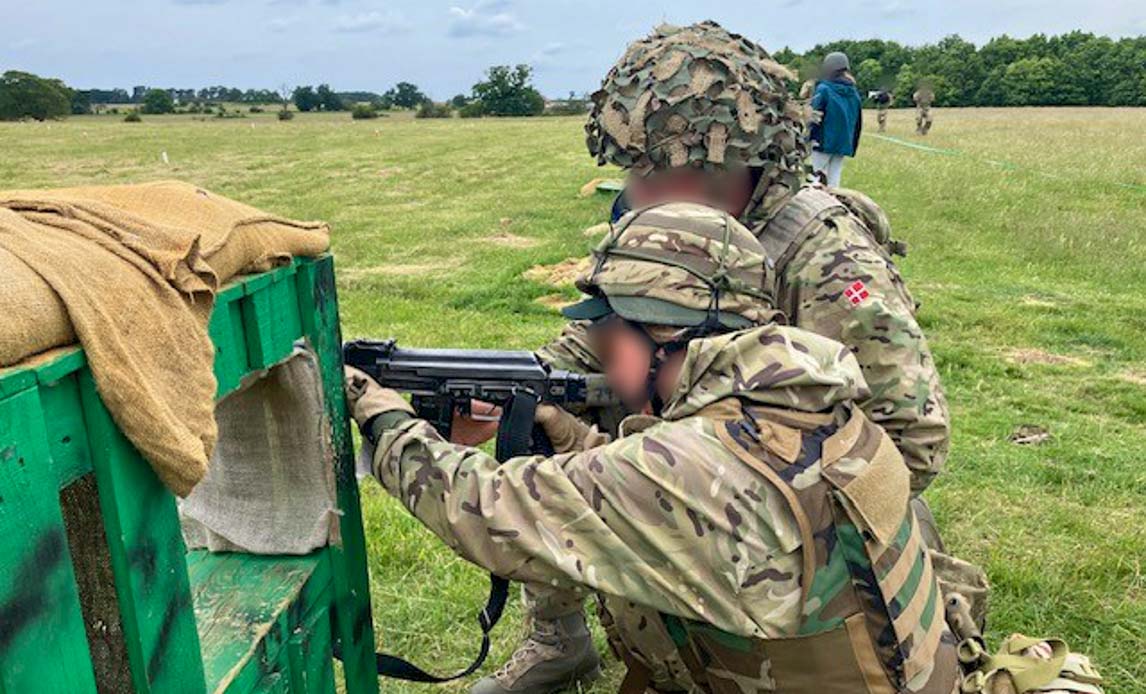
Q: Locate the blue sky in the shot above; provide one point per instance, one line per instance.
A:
(445, 46)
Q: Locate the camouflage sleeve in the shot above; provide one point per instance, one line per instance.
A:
(620, 519)
(571, 351)
(841, 287)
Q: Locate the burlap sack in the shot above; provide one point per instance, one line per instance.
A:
(126, 266)
(270, 488)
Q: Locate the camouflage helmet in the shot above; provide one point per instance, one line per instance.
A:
(678, 264)
(701, 96)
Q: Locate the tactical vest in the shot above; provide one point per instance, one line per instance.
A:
(809, 212)
(872, 619)
(799, 219)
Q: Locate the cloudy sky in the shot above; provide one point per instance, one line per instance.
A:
(444, 46)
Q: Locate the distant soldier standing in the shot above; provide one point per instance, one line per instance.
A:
(923, 98)
(882, 99)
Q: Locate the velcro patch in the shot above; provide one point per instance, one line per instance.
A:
(857, 293)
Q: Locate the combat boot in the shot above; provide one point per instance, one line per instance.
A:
(557, 654)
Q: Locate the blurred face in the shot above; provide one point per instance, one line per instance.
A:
(627, 357)
(728, 190)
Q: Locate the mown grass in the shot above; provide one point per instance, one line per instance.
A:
(1027, 253)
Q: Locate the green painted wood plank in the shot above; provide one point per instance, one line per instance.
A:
(147, 556)
(309, 649)
(67, 436)
(247, 607)
(318, 303)
(14, 379)
(43, 647)
(69, 361)
(271, 320)
(231, 358)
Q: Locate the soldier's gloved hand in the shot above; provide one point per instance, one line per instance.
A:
(566, 432)
(366, 399)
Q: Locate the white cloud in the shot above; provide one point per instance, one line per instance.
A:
(487, 18)
(388, 22)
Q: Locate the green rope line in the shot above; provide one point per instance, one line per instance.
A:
(994, 162)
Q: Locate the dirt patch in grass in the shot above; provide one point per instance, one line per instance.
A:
(1038, 302)
(1030, 355)
(390, 171)
(590, 187)
(554, 301)
(1138, 378)
(597, 229)
(560, 274)
(505, 238)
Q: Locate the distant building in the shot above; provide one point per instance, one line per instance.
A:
(137, 93)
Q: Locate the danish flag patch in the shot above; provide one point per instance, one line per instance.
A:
(857, 293)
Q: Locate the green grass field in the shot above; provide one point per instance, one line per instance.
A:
(1028, 249)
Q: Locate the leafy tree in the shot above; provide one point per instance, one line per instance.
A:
(81, 103)
(24, 95)
(305, 99)
(904, 86)
(158, 101)
(1073, 68)
(508, 92)
(993, 91)
(327, 99)
(363, 111)
(869, 75)
(428, 109)
(406, 95)
(474, 109)
(459, 101)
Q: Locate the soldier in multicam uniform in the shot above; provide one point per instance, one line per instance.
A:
(882, 99)
(756, 513)
(923, 98)
(698, 114)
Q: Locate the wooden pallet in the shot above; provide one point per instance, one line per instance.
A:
(97, 590)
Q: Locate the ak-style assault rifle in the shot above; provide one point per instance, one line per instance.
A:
(444, 381)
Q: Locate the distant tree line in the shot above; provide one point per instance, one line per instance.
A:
(1078, 68)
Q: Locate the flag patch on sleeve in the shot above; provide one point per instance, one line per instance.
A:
(857, 293)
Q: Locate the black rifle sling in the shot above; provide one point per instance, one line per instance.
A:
(516, 435)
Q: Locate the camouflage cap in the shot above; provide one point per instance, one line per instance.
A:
(698, 96)
(678, 264)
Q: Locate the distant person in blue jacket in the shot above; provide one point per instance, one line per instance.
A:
(837, 104)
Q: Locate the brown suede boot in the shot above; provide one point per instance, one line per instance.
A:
(557, 654)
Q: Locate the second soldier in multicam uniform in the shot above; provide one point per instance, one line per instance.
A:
(761, 518)
(923, 98)
(698, 114)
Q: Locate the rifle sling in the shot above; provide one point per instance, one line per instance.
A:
(515, 436)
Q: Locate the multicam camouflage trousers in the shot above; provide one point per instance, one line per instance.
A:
(922, 119)
(638, 633)
(881, 117)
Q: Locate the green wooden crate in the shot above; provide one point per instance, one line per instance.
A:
(97, 590)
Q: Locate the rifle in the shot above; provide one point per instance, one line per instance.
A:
(444, 381)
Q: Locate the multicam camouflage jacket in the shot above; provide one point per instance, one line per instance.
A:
(841, 284)
(668, 517)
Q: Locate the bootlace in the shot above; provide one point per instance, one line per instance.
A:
(542, 632)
